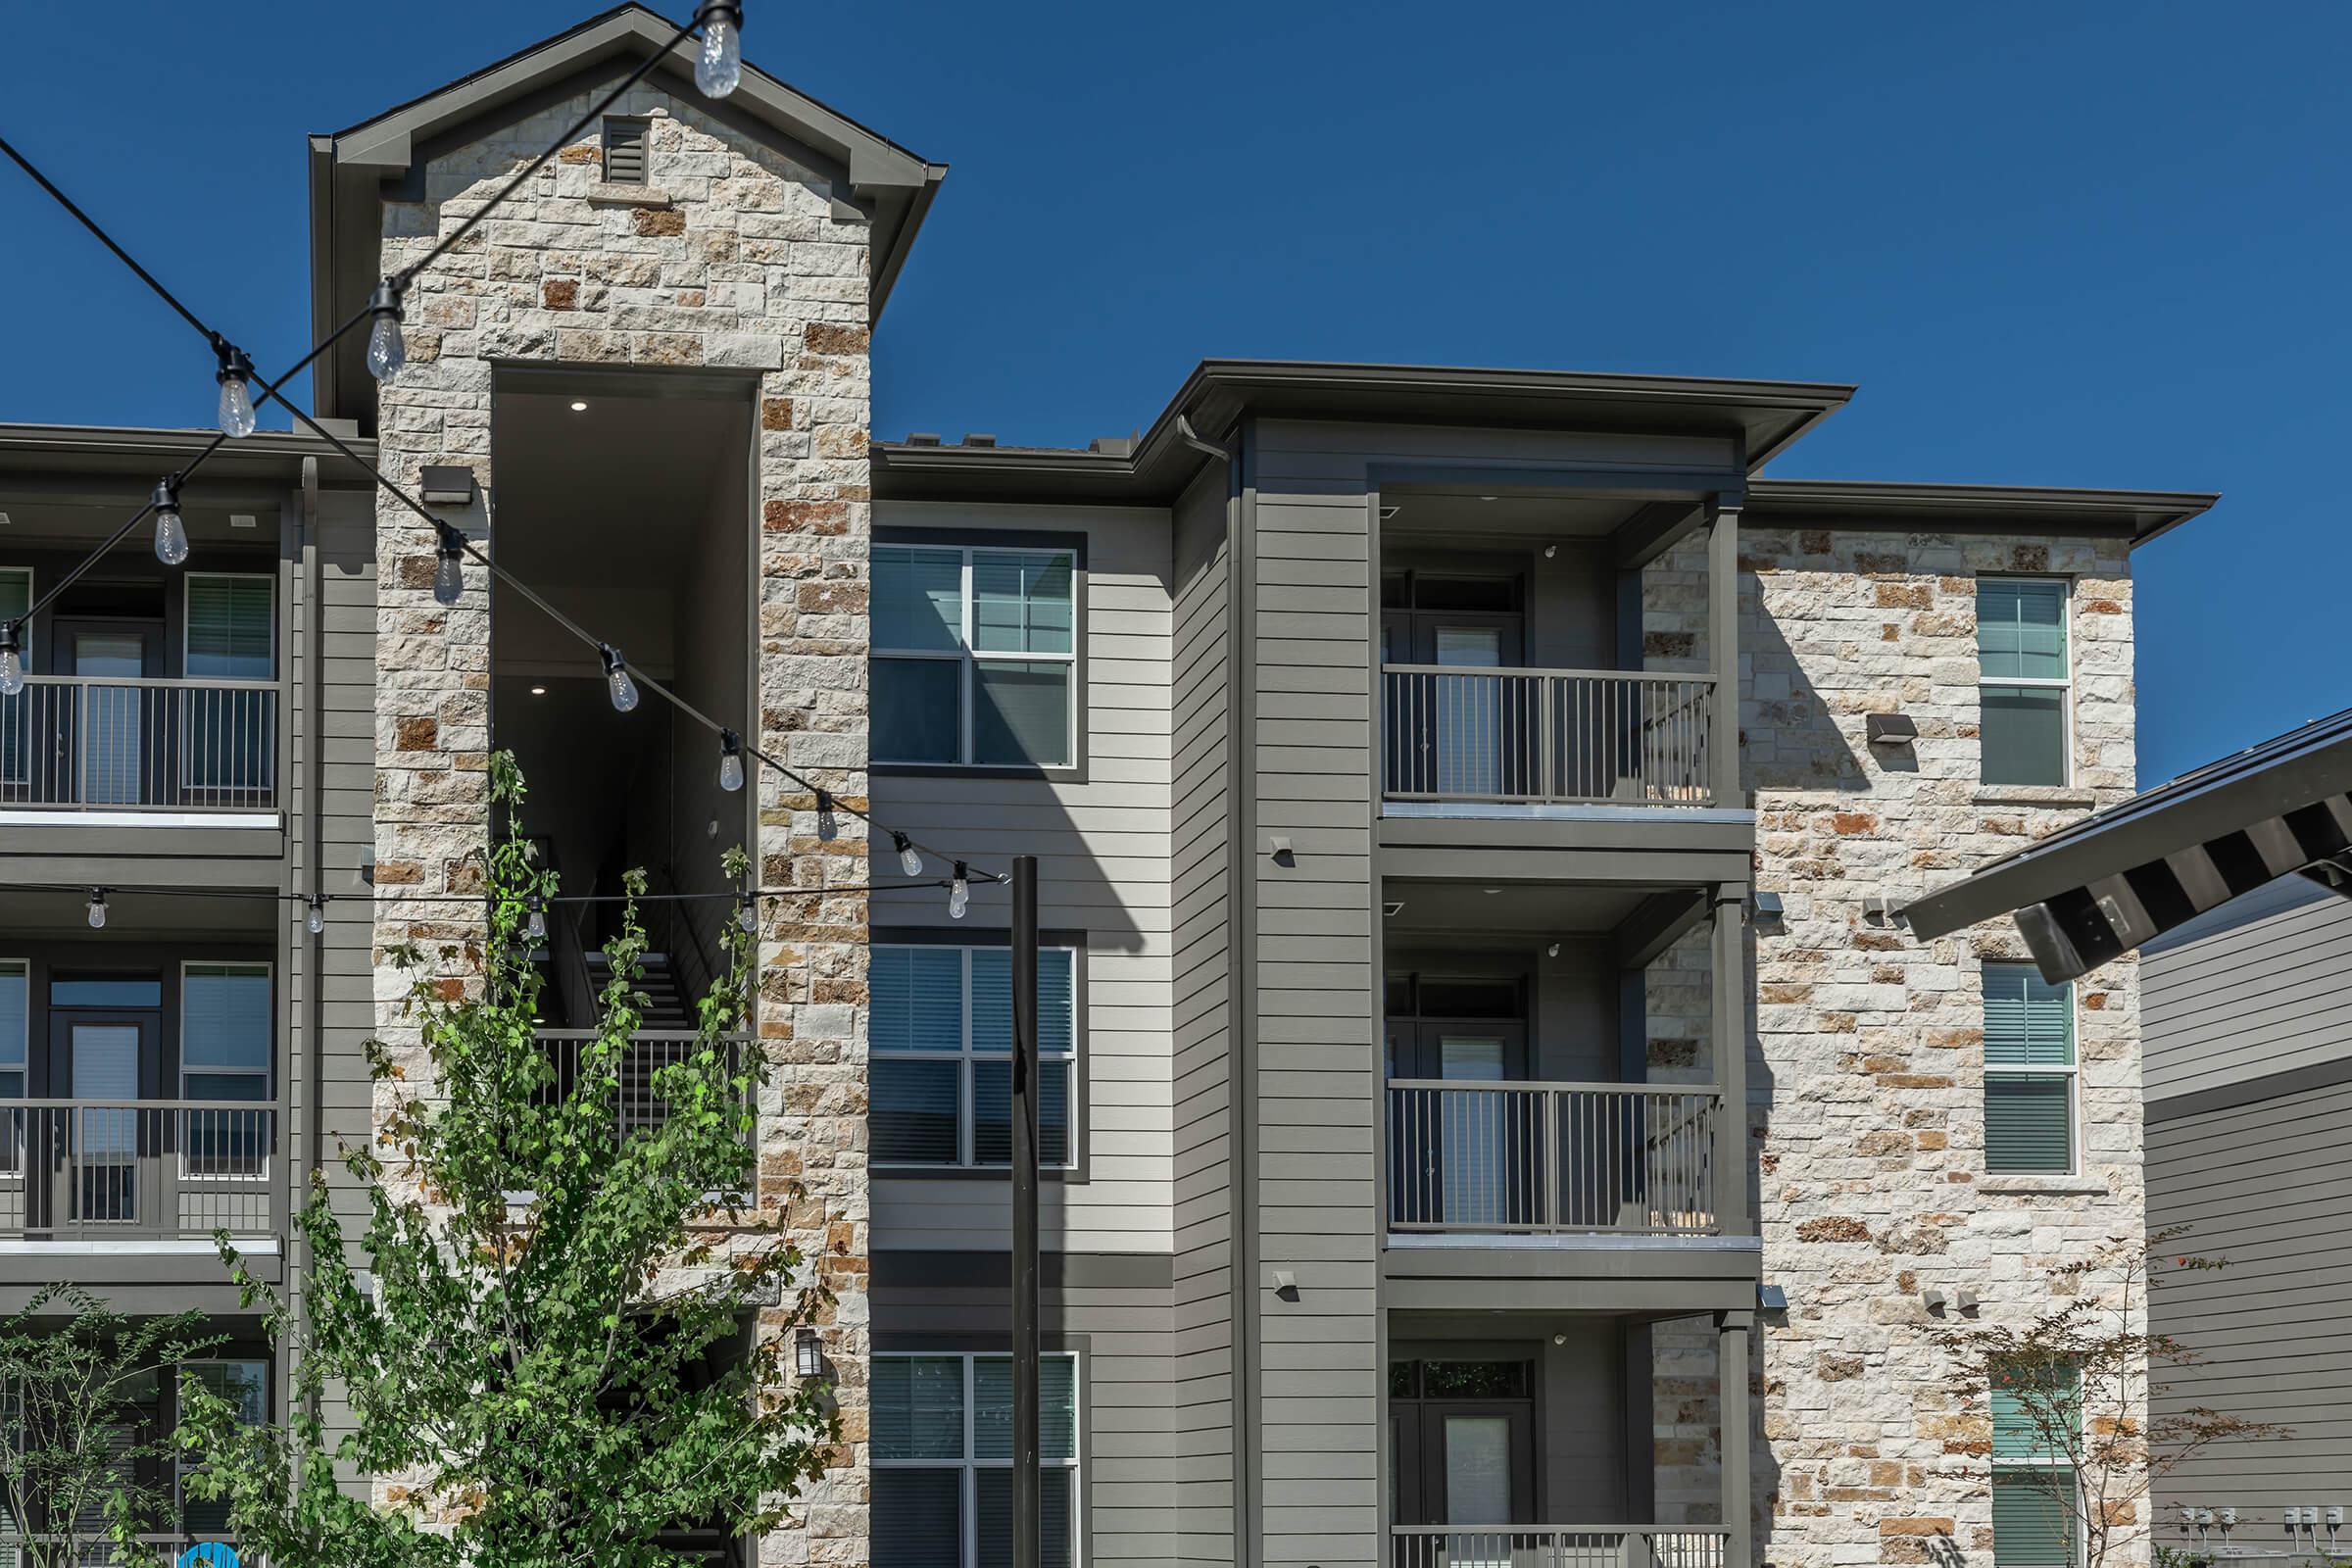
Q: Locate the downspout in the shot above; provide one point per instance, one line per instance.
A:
(313, 786)
(1241, 836)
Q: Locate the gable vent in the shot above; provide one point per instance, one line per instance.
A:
(624, 150)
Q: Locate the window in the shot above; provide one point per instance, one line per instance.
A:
(942, 1429)
(16, 1019)
(245, 1385)
(2021, 689)
(939, 1031)
(2029, 1071)
(975, 656)
(2032, 1414)
(225, 1050)
(624, 150)
(232, 626)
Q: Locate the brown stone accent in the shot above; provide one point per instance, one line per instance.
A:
(560, 293)
(775, 413)
(1833, 1228)
(656, 221)
(415, 734)
(826, 337)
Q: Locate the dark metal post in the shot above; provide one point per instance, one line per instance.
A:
(1025, 1517)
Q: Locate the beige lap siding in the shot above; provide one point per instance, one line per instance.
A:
(749, 266)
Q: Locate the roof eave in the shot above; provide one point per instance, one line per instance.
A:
(2137, 515)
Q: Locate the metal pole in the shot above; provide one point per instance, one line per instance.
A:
(1025, 1531)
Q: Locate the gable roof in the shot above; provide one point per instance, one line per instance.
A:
(350, 166)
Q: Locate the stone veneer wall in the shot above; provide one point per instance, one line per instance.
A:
(746, 264)
(1864, 1075)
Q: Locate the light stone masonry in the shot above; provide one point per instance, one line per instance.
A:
(732, 257)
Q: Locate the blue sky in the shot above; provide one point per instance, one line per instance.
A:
(2064, 245)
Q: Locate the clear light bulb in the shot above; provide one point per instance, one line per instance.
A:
(98, 910)
(315, 920)
(747, 915)
(449, 577)
(12, 662)
(960, 893)
(730, 760)
(616, 679)
(171, 536)
(386, 351)
(718, 66)
(535, 927)
(910, 861)
(236, 407)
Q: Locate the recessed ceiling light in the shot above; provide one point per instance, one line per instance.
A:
(243, 519)
(4, 519)
(1490, 890)
(580, 408)
(1490, 498)
(538, 690)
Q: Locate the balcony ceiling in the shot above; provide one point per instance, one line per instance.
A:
(133, 916)
(1533, 911)
(1528, 515)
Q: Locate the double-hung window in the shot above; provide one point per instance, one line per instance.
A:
(942, 1428)
(16, 1033)
(2023, 688)
(939, 1032)
(975, 657)
(228, 731)
(2035, 1416)
(226, 1046)
(2029, 1071)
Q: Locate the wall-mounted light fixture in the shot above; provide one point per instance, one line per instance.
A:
(1889, 729)
(807, 1354)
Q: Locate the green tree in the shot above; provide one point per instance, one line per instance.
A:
(2078, 1388)
(76, 1429)
(547, 1349)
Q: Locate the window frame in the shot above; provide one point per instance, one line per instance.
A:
(969, 1464)
(2071, 1072)
(187, 625)
(268, 974)
(22, 1065)
(969, 541)
(2040, 1461)
(966, 1102)
(2062, 684)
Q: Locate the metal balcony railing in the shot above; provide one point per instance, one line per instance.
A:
(1631, 1158)
(84, 743)
(1547, 736)
(1555, 1546)
(649, 1052)
(99, 1550)
(167, 1169)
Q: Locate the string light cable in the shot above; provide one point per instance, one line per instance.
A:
(720, 21)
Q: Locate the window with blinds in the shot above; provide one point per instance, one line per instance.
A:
(232, 626)
(975, 657)
(939, 1058)
(2022, 686)
(15, 1018)
(942, 1436)
(2033, 1479)
(624, 138)
(2029, 1071)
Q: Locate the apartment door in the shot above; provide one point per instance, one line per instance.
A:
(1467, 1152)
(1462, 1456)
(104, 1059)
(104, 732)
(1455, 733)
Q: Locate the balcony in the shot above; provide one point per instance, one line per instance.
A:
(78, 743)
(1552, 1158)
(1552, 736)
(1555, 1546)
(138, 1170)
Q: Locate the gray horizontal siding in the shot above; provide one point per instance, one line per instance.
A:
(2264, 993)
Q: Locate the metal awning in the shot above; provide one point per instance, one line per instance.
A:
(2122, 876)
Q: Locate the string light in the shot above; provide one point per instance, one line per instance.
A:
(97, 908)
(12, 657)
(314, 919)
(910, 861)
(617, 678)
(449, 568)
(730, 760)
(235, 376)
(747, 912)
(170, 533)
(718, 64)
(535, 926)
(960, 893)
(386, 351)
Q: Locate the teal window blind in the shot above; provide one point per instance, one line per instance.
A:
(941, 1487)
(974, 656)
(940, 1037)
(2031, 1524)
(2022, 692)
(2029, 1071)
(15, 1026)
(232, 627)
(225, 1039)
(16, 592)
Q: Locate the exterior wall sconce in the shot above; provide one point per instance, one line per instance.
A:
(1889, 729)
(807, 1355)
(1767, 906)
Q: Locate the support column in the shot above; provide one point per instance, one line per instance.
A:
(1727, 990)
(1735, 1421)
(1723, 646)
